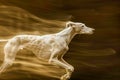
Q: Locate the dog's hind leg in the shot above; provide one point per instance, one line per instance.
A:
(10, 50)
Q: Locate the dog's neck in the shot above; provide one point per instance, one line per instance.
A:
(67, 34)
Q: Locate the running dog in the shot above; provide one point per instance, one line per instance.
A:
(51, 47)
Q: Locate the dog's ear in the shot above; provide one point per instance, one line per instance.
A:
(69, 24)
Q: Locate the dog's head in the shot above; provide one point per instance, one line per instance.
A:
(80, 28)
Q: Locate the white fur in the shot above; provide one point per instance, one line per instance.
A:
(50, 47)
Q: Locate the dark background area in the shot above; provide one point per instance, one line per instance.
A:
(95, 57)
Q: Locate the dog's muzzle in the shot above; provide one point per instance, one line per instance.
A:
(87, 30)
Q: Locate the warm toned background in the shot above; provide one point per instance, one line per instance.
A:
(95, 57)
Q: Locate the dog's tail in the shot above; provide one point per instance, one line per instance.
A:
(3, 40)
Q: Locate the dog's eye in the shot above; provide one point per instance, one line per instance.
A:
(82, 26)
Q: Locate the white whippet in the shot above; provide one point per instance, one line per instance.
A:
(50, 47)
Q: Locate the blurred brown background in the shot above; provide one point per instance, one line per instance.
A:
(95, 57)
